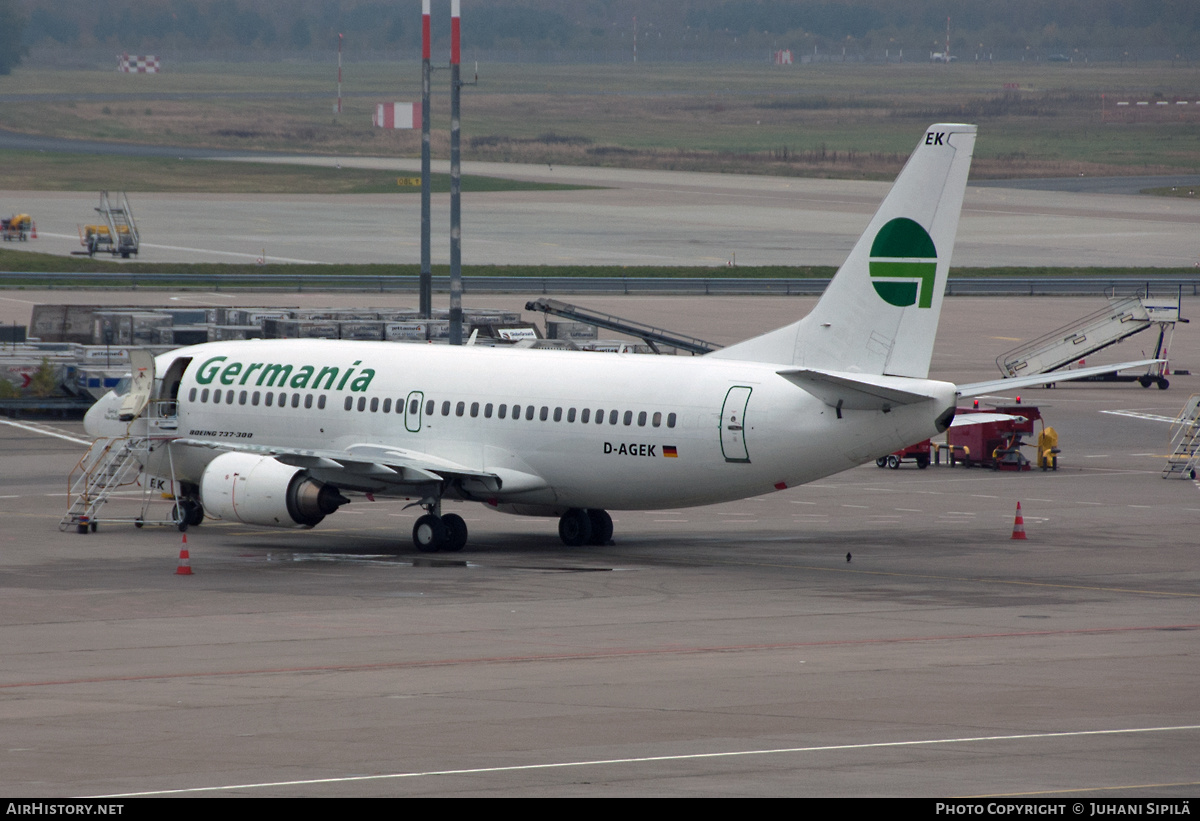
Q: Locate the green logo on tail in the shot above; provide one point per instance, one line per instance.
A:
(903, 263)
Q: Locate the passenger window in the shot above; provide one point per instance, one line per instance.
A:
(545, 414)
(269, 399)
(642, 419)
(283, 400)
(628, 418)
(413, 406)
(585, 415)
(670, 420)
(362, 404)
(446, 408)
(254, 398)
(192, 395)
(460, 408)
(349, 403)
(321, 402)
(529, 411)
(295, 400)
(229, 397)
(204, 395)
(571, 415)
(502, 411)
(429, 408)
(474, 409)
(487, 411)
(242, 398)
(516, 411)
(612, 417)
(657, 419)
(308, 400)
(387, 405)
(599, 416)
(558, 414)
(374, 404)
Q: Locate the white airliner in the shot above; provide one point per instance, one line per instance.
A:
(274, 432)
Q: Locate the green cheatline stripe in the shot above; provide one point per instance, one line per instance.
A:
(922, 271)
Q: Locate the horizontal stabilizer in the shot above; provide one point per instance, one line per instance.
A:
(853, 392)
(1012, 383)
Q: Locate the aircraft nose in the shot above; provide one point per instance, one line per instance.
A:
(94, 419)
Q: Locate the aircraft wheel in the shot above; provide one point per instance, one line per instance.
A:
(429, 534)
(456, 532)
(181, 515)
(575, 528)
(893, 462)
(602, 526)
(194, 512)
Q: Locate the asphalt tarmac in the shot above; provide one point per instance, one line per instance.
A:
(660, 218)
(731, 650)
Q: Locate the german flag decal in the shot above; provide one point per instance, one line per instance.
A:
(669, 452)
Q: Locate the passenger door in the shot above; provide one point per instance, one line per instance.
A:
(733, 424)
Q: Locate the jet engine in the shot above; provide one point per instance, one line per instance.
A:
(259, 490)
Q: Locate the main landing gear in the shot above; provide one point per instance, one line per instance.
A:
(578, 527)
(433, 533)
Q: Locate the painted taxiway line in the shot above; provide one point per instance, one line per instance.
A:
(1149, 417)
(240, 255)
(45, 432)
(611, 762)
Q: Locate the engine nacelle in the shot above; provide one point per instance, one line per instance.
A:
(259, 490)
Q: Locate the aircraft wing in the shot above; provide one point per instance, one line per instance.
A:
(1012, 382)
(379, 469)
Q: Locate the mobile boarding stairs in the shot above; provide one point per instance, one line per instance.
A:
(115, 465)
(1185, 442)
(1124, 317)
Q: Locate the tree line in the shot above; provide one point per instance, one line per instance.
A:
(665, 29)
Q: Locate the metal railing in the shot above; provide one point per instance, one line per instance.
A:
(698, 286)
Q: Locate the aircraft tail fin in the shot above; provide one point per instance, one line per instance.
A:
(879, 314)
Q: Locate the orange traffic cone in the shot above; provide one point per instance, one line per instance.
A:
(1019, 524)
(34, 234)
(185, 561)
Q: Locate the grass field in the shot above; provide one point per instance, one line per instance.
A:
(34, 263)
(43, 171)
(836, 120)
